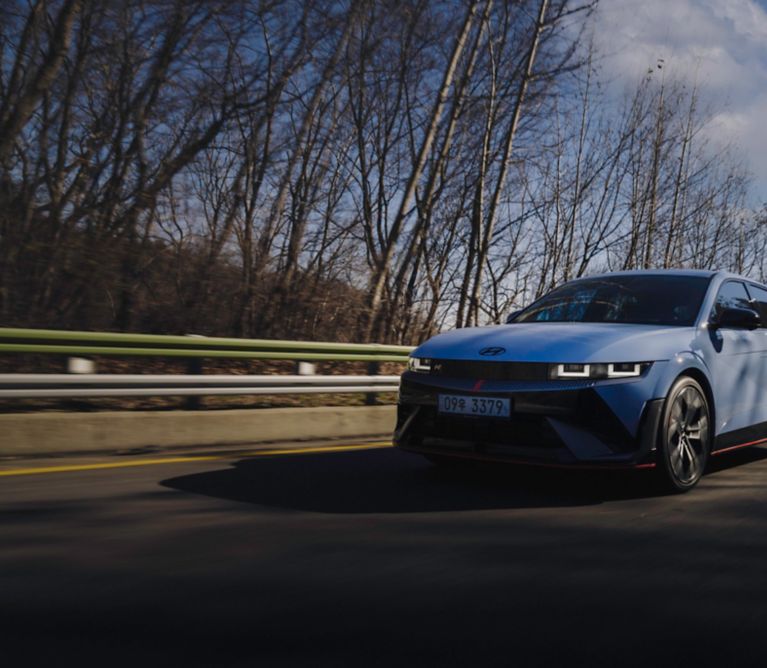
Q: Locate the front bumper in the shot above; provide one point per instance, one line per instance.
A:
(559, 423)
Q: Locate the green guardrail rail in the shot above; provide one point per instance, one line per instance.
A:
(51, 341)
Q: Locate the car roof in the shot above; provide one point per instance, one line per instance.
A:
(705, 273)
(670, 272)
(658, 272)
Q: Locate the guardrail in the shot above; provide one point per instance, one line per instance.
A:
(20, 386)
(195, 348)
(49, 341)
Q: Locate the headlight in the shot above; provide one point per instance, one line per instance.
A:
(598, 371)
(419, 365)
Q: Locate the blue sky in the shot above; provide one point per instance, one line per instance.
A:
(720, 44)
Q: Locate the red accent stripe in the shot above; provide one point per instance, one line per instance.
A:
(478, 386)
(738, 447)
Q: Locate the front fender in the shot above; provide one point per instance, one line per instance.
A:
(629, 399)
(682, 362)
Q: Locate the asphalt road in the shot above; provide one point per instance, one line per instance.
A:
(374, 558)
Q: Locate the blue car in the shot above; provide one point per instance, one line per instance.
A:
(643, 369)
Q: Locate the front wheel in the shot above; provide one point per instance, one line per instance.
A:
(685, 435)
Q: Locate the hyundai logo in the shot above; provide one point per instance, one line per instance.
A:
(492, 351)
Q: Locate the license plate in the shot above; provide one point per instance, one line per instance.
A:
(478, 406)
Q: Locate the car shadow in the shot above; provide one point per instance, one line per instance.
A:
(390, 481)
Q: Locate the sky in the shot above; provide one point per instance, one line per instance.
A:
(720, 44)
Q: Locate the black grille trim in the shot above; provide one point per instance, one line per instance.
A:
(481, 370)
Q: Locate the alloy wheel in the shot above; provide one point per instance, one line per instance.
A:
(686, 434)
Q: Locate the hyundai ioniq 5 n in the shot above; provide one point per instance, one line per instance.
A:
(645, 369)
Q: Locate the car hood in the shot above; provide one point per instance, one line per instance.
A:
(561, 342)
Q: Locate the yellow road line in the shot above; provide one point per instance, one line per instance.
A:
(191, 458)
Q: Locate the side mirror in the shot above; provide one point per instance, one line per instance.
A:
(738, 318)
(512, 315)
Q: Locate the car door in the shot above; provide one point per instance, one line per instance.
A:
(736, 366)
(758, 296)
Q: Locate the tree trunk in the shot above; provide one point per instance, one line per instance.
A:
(381, 271)
(487, 235)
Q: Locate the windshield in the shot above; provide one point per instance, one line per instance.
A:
(653, 299)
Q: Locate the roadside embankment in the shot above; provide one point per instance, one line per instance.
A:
(34, 434)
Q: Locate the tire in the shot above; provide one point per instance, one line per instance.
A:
(684, 442)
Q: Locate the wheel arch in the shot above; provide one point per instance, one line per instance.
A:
(702, 380)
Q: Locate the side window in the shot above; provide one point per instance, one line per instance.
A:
(759, 301)
(731, 295)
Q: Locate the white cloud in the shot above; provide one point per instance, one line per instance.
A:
(748, 18)
(719, 44)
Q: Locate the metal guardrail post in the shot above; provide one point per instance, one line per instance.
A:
(193, 366)
(373, 369)
(80, 365)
